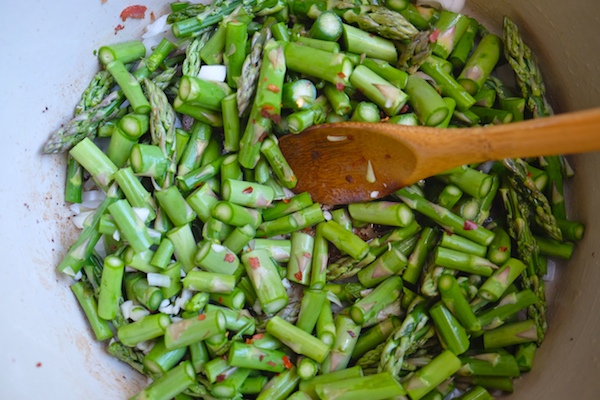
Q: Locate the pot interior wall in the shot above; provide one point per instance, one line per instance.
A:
(47, 349)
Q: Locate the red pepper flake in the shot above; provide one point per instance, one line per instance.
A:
(152, 16)
(229, 258)
(220, 300)
(273, 88)
(502, 248)
(276, 118)
(529, 174)
(286, 362)
(434, 35)
(404, 109)
(38, 364)
(119, 28)
(260, 358)
(340, 86)
(298, 275)
(258, 336)
(254, 262)
(267, 110)
(134, 12)
(224, 356)
(263, 136)
(201, 317)
(286, 201)
(307, 255)
(249, 341)
(271, 363)
(469, 225)
(220, 378)
(248, 190)
(341, 75)
(352, 334)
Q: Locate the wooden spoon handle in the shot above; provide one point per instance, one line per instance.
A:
(575, 132)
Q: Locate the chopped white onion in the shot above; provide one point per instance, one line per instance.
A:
(79, 219)
(145, 347)
(126, 309)
(75, 208)
(327, 215)
(142, 213)
(78, 275)
(117, 235)
(138, 312)
(374, 194)
(159, 280)
(286, 283)
(215, 73)
(155, 32)
(370, 176)
(93, 195)
(169, 310)
(288, 193)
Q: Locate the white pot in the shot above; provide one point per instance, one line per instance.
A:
(46, 347)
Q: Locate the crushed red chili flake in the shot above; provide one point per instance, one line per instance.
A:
(307, 255)
(258, 336)
(249, 341)
(286, 201)
(434, 35)
(201, 317)
(119, 28)
(469, 225)
(271, 363)
(352, 334)
(260, 358)
(254, 262)
(229, 258)
(404, 109)
(340, 86)
(263, 136)
(273, 88)
(220, 300)
(529, 174)
(134, 12)
(38, 364)
(248, 190)
(503, 248)
(287, 363)
(298, 275)
(220, 378)
(152, 16)
(224, 356)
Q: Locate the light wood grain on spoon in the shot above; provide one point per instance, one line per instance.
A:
(334, 162)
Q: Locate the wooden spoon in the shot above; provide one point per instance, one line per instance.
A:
(351, 162)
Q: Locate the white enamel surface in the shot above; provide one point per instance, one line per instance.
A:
(48, 60)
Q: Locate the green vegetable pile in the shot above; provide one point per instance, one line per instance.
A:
(202, 270)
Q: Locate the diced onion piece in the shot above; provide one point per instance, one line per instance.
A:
(215, 73)
(126, 309)
(142, 213)
(370, 176)
(78, 220)
(159, 280)
(333, 138)
(374, 194)
(327, 215)
(138, 312)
